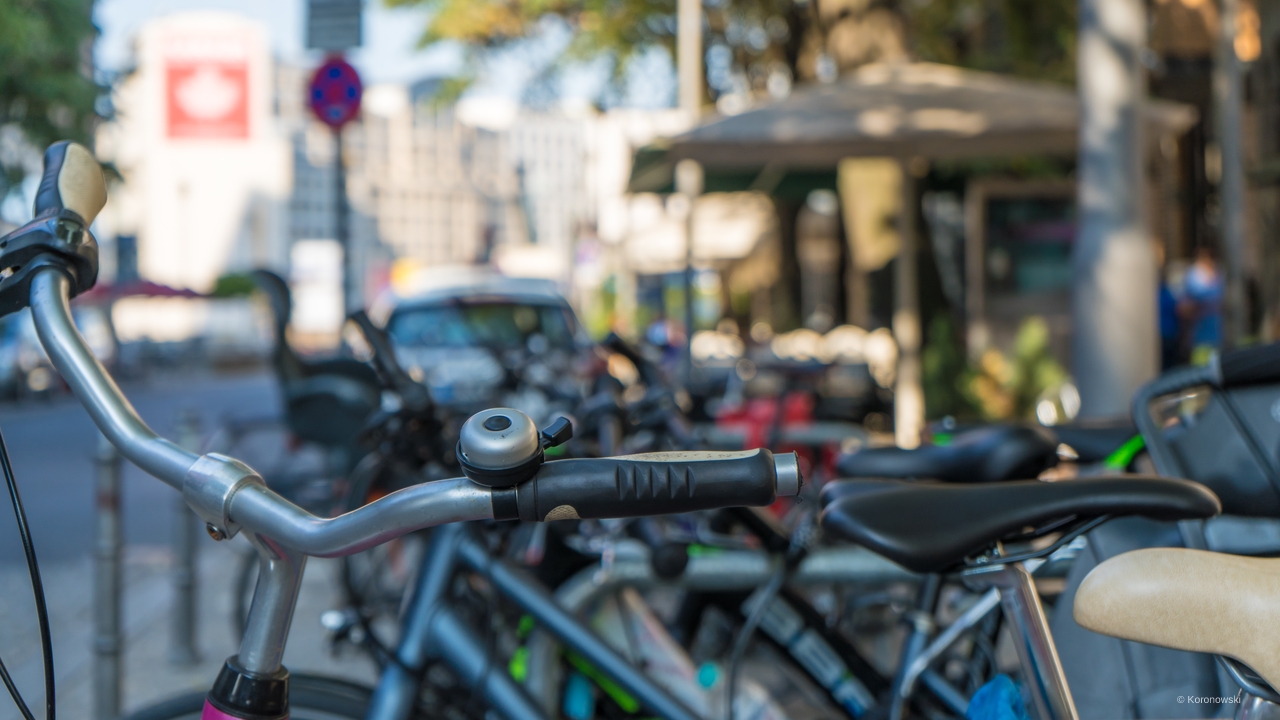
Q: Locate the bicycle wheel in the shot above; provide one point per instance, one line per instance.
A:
(311, 697)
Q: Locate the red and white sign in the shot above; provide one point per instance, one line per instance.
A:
(207, 99)
(207, 92)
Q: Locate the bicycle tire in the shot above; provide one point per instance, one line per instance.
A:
(311, 697)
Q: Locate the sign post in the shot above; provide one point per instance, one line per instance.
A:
(334, 97)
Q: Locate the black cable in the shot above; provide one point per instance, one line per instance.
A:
(801, 538)
(744, 634)
(37, 588)
(13, 692)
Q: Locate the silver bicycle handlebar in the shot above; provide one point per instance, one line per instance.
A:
(387, 518)
(99, 394)
(229, 495)
(225, 492)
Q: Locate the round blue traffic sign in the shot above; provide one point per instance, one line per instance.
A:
(334, 95)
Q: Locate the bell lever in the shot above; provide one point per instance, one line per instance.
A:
(559, 432)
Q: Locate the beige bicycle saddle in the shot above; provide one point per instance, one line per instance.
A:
(1189, 600)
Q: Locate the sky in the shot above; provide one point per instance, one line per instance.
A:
(390, 52)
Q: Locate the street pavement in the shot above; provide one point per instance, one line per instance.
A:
(52, 446)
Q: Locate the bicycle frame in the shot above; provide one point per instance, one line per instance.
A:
(628, 565)
(433, 631)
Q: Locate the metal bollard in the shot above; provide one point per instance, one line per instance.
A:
(107, 585)
(186, 533)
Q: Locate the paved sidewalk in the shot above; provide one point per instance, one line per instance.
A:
(149, 674)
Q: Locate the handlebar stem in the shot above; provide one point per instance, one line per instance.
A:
(275, 597)
(111, 412)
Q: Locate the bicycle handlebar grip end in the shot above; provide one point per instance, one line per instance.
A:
(787, 469)
(1258, 365)
(652, 484)
(72, 180)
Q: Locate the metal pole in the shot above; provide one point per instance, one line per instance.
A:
(689, 57)
(1228, 99)
(688, 183)
(908, 392)
(1114, 331)
(341, 225)
(107, 585)
(186, 533)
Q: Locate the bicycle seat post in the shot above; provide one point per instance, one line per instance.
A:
(1043, 674)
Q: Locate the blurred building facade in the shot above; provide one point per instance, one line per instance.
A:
(203, 160)
(224, 170)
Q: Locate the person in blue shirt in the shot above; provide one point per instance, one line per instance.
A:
(1171, 326)
(1203, 292)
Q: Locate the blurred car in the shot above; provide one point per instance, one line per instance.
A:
(502, 340)
(25, 370)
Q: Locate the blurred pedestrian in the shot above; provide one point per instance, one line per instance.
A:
(1171, 334)
(1202, 305)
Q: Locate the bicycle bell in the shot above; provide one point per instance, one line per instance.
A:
(499, 447)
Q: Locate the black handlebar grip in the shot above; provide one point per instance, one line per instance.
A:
(72, 181)
(1251, 366)
(656, 484)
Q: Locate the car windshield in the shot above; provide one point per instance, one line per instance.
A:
(498, 325)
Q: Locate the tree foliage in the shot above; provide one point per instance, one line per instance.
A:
(1029, 38)
(47, 89)
(762, 46)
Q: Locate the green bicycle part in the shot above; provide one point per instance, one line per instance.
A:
(625, 700)
(1124, 455)
(525, 627)
(519, 665)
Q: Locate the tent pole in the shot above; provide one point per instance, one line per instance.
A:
(688, 183)
(908, 392)
(1114, 332)
(689, 57)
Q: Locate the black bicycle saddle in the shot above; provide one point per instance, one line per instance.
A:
(931, 527)
(987, 454)
(326, 401)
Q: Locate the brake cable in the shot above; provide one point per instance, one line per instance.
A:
(37, 588)
(801, 537)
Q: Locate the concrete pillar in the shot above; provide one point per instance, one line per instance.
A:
(1115, 332)
(1228, 101)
